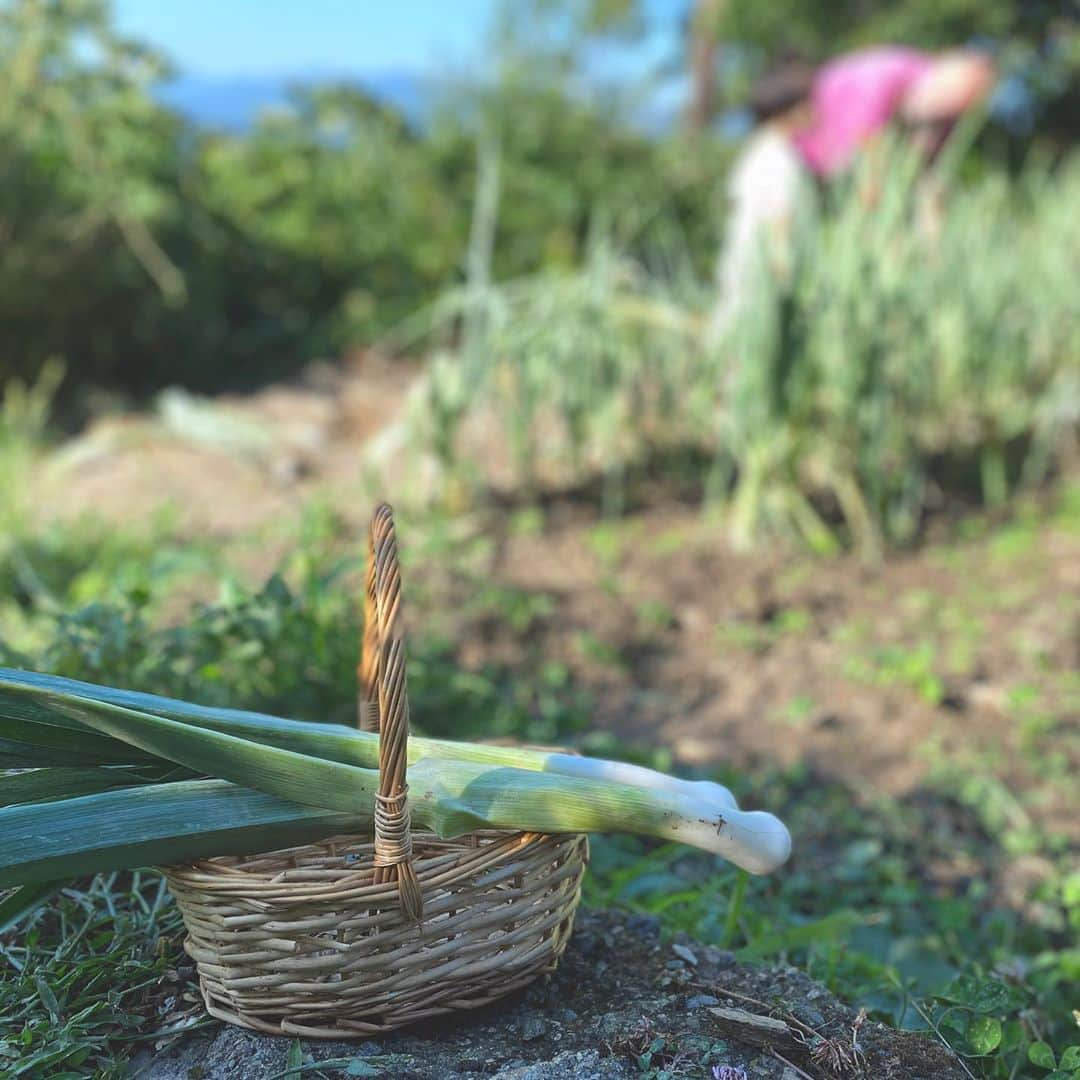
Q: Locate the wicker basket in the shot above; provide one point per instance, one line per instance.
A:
(358, 934)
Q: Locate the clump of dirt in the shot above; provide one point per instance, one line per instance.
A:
(622, 998)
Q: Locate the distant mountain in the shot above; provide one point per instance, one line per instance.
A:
(234, 102)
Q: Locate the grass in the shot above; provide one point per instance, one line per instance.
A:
(859, 911)
(895, 905)
(94, 977)
(892, 665)
(758, 637)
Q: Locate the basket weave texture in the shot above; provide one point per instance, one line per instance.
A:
(363, 934)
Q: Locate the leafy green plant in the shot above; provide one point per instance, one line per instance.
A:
(859, 915)
(890, 665)
(1067, 1067)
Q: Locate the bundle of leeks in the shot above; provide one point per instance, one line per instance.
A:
(106, 779)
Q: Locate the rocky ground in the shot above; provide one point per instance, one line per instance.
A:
(623, 1003)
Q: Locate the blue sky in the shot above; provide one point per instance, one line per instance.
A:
(242, 38)
(262, 37)
(236, 58)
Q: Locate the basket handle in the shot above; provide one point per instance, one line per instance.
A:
(367, 670)
(386, 710)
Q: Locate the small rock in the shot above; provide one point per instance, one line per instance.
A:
(533, 1027)
(809, 1015)
(720, 958)
(570, 1065)
(675, 965)
(685, 953)
(610, 1026)
(645, 925)
(587, 943)
(699, 1001)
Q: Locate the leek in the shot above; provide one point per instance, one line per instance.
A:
(316, 784)
(333, 741)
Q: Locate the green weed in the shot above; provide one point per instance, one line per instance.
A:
(653, 616)
(92, 977)
(899, 665)
(860, 915)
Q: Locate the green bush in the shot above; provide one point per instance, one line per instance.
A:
(144, 252)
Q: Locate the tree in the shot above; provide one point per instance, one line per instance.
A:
(704, 33)
(86, 179)
(1038, 40)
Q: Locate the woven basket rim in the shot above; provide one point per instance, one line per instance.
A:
(438, 861)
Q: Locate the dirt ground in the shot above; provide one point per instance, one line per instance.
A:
(960, 657)
(620, 999)
(875, 675)
(235, 464)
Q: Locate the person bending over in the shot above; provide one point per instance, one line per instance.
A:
(768, 187)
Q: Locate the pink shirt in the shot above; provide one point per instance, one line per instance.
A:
(853, 98)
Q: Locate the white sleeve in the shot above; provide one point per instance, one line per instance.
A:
(766, 181)
(765, 188)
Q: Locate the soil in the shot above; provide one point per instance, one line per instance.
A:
(234, 464)
(869, 674)
(621, 997)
